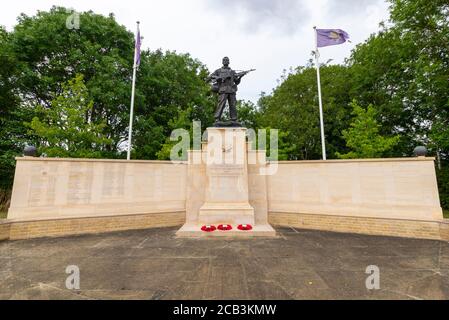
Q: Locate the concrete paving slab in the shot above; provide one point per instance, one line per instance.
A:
(155, 264)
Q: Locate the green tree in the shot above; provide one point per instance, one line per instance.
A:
(65, 128)
(293, 109)
(12, 131)
(284, 148)
(363, 135)
(182, 121)
(49, 54)
(171, 93)
(403, 72)
(248, 114)
(443, 185)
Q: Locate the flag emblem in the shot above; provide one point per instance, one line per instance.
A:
(334, 35)
(331, 37)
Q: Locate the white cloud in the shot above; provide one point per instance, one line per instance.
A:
(284, 16)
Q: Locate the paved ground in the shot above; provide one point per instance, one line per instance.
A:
(153, 264)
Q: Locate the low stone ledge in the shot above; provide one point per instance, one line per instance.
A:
(444, 230)
(5, 226)
(434, 230)
(27, 229)
(16, 230)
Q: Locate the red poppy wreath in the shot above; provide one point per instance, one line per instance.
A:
(208, 228)
(224, 227)
(244, 227)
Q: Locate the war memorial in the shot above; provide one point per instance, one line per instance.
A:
(234, 209)
(228, 187)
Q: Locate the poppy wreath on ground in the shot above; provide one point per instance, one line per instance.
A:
(208, 228)
(224, 227)
(244, 227)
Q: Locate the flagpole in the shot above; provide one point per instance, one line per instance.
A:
(317, 62)
(133, 91)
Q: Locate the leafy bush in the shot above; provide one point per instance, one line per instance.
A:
(443, 186)
(5, 197)
(363, 137)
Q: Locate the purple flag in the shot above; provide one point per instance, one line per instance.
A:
(138, 44)
(330, 37)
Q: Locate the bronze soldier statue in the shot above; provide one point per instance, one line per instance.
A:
(225, 82)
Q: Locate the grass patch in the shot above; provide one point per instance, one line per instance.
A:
(446, 214)
(3, 214)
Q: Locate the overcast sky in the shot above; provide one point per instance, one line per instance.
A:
(268, 35)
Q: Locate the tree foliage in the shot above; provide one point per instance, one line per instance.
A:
(363, 136)
(403, 72)
(66, 129)
(49, 54)
(293, 109)
(169, 86)
(41, 55)
(11, 128)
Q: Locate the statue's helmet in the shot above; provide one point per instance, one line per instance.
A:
(225, 61)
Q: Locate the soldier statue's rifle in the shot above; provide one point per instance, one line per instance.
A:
(216, 80)
(221, 78)
(241, 74)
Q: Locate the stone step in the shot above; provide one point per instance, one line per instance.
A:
(194, 231)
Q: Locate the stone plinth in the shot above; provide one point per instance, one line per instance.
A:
(226, 197)
(218, 191)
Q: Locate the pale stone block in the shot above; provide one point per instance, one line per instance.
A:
(61, 188)
(227, 186)
(403, 188)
